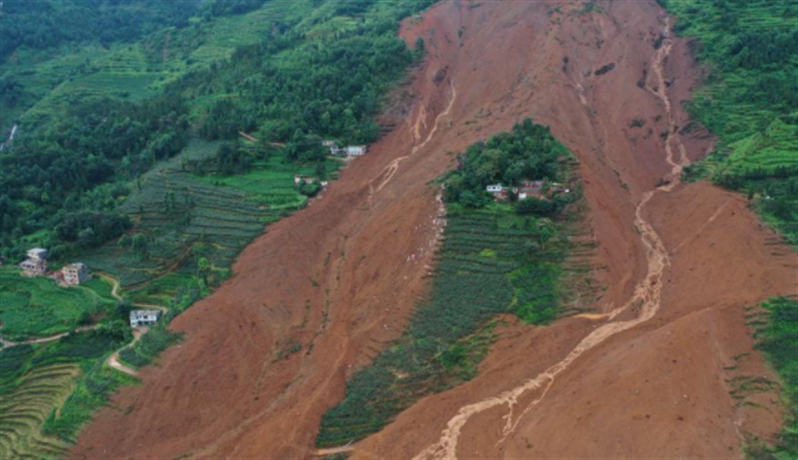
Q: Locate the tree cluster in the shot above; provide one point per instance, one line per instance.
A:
(43, 24)
(528, 152)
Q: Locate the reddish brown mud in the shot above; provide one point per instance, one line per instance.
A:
(342, 277)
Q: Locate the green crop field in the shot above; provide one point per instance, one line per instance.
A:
(25, 409)
(484, 268)
(38, 307)
(185, 216)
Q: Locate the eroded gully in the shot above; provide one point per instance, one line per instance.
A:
(645, 301)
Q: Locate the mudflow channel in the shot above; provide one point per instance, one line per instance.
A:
(647, 296)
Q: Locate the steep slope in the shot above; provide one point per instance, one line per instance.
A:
(338, 278)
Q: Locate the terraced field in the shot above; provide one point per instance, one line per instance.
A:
(24, 410)
(186, 217)
(749, 99)
(487, 266)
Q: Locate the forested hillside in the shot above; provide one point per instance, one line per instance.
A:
(749, 99)
(129, 157)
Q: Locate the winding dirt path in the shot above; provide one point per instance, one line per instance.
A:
(52, 338)
(113, 360)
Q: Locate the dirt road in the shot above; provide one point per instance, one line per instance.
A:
(113, 360)
(342, 277)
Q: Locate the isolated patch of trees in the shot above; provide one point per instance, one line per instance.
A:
(528, 152)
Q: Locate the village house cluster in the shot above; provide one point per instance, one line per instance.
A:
(351, 151)
(528, 189)
(36, 265)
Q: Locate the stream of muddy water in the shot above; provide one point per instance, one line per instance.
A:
(645, 301)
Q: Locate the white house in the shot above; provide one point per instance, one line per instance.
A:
(299, 180)
(355, 150)
(140, 318)
(495, 189)
(37, 254)
(333, 146)
(36, 263)
(74, 274)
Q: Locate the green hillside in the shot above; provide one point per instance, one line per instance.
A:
(749, 100)
(129, 158)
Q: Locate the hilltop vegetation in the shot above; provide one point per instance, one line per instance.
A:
(528, 153)
(749, 99)
(493, 260)
(47, 24)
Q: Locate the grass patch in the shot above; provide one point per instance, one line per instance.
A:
(38, 307)
(748, 100)
(777, 338)
(91, 392)
(158, 339)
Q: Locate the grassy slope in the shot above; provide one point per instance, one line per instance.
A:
(777, 337)
(748, 100)
(38, 307)
(32, 385)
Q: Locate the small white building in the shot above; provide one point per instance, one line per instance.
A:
(495, 189)
(333, 146)
(139, 318)
(36, 263)
(75, 274)
(37, 254)
(355, 150)
(300, 180)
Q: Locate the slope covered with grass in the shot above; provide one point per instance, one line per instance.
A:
(749, 99)
(777, 337)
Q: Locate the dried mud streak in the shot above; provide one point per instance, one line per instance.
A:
(390, 170)
(647, 298)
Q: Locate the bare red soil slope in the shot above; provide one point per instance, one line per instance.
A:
(650, 378)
